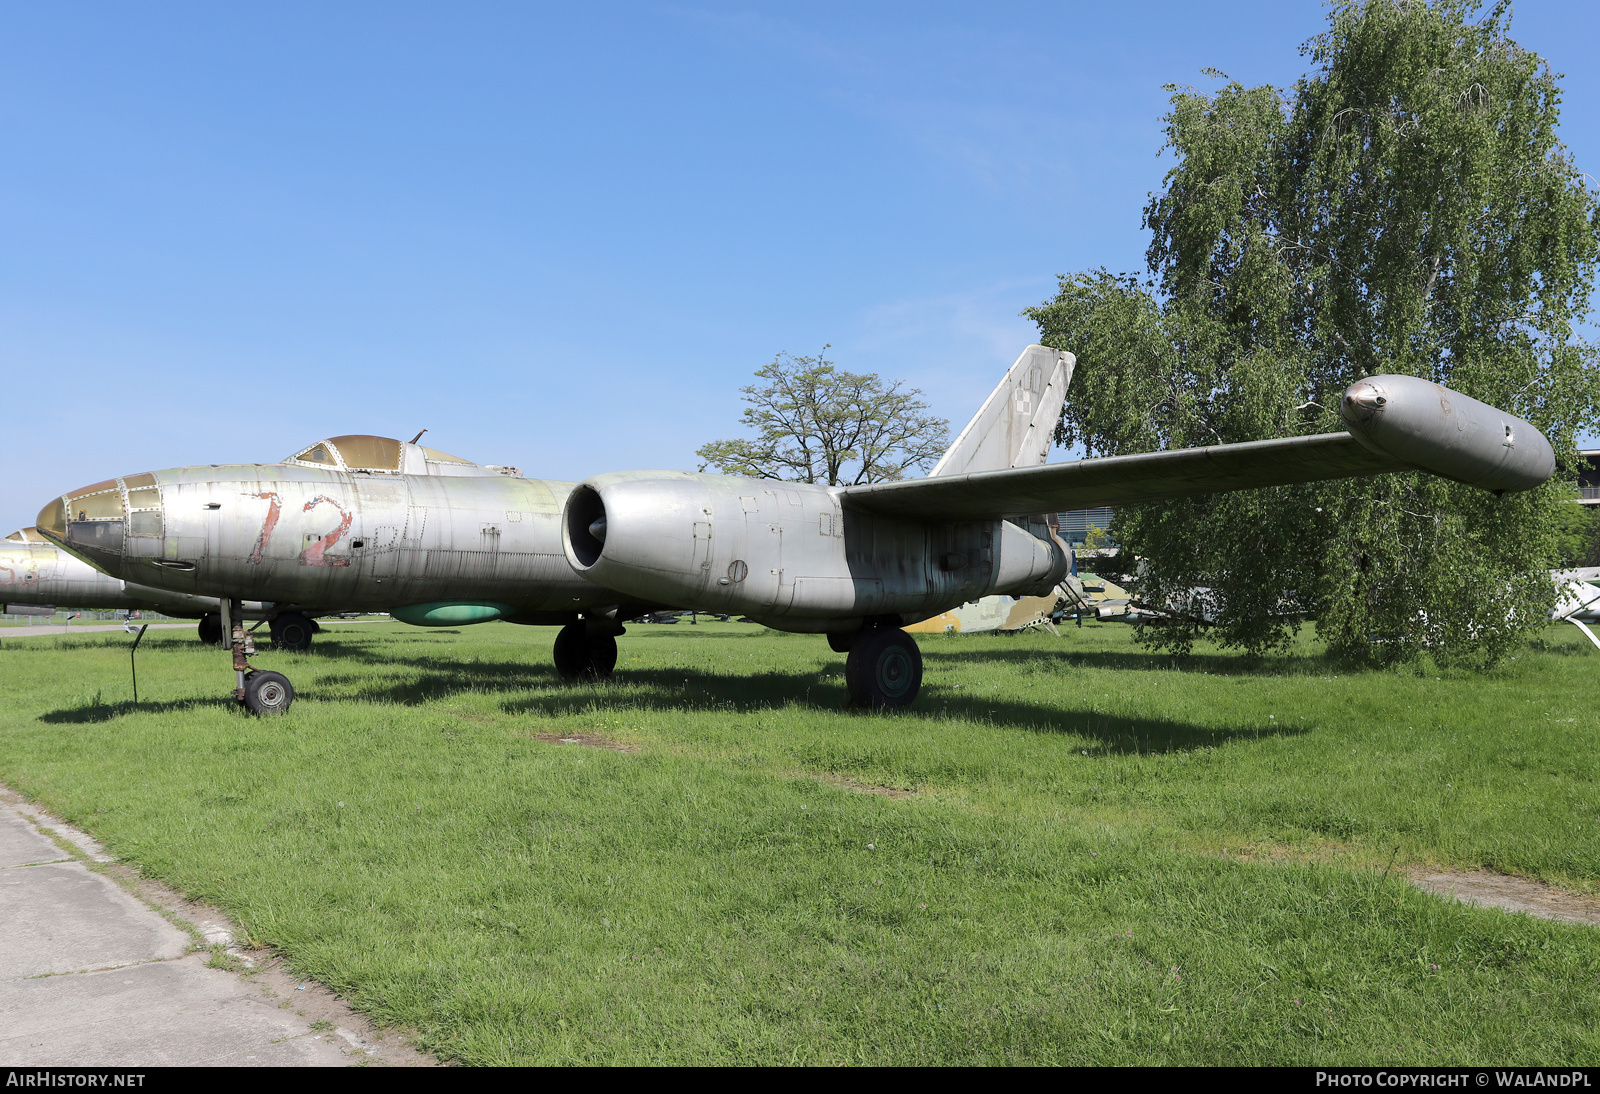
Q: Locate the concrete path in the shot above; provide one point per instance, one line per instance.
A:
(92, 975)
(84, 628)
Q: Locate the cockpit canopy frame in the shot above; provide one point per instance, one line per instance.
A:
(365, 454)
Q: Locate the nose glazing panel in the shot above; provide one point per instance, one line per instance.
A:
(52, 519)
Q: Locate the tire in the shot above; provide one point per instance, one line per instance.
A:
(292, 632)
(841, 641)
(602, 655)
(884, 669)
(210, 630)
(267, 693)
(581, 656)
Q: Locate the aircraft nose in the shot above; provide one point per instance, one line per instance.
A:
(98, 519)
(52, 520)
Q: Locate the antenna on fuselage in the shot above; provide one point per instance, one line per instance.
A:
(418, 437)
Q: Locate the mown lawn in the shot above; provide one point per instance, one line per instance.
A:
(1070, 851)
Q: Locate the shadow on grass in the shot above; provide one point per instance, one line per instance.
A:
(663, 691)
(1135, 660)
(106, 712)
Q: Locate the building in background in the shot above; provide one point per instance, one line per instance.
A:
(1075, 525)
(1589, 477)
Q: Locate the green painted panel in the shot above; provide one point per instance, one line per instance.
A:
(451, 613)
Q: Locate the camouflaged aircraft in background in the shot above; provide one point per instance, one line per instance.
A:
(38, 578)
(374, 524)
(1078, 597)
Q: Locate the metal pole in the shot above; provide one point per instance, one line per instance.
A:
(132, 664)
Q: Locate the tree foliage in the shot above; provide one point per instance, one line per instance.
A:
(1577, 532)
(1407, 208)
(813, 423)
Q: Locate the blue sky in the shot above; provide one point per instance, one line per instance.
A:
(562, 236)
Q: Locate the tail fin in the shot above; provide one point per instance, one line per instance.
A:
(1018, 420)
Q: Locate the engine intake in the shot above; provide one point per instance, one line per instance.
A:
(585, 510)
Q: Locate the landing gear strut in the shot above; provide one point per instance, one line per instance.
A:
(587, 649)
(258, 692)
(884, 669)
(292, 632)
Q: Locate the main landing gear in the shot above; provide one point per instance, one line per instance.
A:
(289, 631)
(587, 649)
(292, 632)
(884, 669)
(258, 692)
(210, 630)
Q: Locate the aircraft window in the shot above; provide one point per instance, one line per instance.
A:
(377, 453)
(107, 506)
(139, 482)
(144, 499)
(99, 487)
(53, 517)
(443, 457)
(19, 536)
(317, 453)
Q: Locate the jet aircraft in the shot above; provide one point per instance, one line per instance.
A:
(371, 523)
(37, 577)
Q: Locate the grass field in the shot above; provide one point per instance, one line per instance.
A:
(1070, 851)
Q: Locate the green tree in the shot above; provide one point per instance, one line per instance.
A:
(1407, 208)
(1577, 529)
(813, 423)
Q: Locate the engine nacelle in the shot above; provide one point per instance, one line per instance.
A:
(788, 554)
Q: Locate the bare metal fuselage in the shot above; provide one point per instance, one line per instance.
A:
(315, 539)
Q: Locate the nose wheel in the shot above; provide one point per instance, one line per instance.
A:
(267, 692)
(884, 669)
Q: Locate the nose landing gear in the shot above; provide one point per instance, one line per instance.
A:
(258, 692)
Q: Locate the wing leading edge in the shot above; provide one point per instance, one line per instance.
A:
(1122, 480)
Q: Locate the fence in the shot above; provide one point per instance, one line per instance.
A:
(83, 617)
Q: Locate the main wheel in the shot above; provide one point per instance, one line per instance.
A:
(884, 669)
(841, 641)
(292, 632)
(267, 693)
(210, 630)
(582, 656)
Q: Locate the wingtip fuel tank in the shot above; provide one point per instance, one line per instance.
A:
(1431, 427)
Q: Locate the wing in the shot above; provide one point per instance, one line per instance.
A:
(1121, 480)
(1395, 423)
